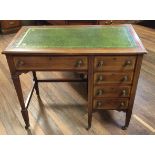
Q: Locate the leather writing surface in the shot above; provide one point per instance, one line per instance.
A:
(77, 37)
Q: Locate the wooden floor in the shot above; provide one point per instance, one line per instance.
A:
(62, 109)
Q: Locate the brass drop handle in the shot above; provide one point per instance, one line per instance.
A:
(122, 104)
(100, 92)
(100, 78)
(99, 103)
(85, 76)
(108, 22)
(128, 62)
(125, 78)
(11, 23)
(100, 63)
(111, 22)
(20, 63)
(123, 92)
(79, 63)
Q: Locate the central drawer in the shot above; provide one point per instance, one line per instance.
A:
(114, 63)
(112, 91)
(50, 63)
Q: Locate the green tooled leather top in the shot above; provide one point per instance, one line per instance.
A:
(77, 37)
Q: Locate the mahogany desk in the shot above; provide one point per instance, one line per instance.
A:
(111, 56)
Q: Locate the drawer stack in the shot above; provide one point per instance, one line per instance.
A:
(113, 77)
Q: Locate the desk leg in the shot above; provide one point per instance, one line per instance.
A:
(36, 82)
(17, 85)
(90, 90)
(133, 91)
(127, 119)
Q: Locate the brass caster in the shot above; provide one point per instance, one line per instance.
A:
(89, 126)
(124, 127)
(27, 127)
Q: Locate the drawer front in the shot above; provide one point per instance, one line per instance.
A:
(50, 63)
(112, 91)
(10, 24)
(120, 78)
(114, 63)
(110, 104)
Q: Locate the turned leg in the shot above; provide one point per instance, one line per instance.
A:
(127, 119)
(17, 85)
(36, 82)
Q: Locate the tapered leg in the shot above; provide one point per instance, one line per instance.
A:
(90, 90)
(127, 119)
(36, 82)
(85, 76)
(89, 120)
(17, 85)
(133, 91)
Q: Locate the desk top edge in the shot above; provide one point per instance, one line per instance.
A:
(138, 50)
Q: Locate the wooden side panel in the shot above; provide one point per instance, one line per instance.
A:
(135, 80)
